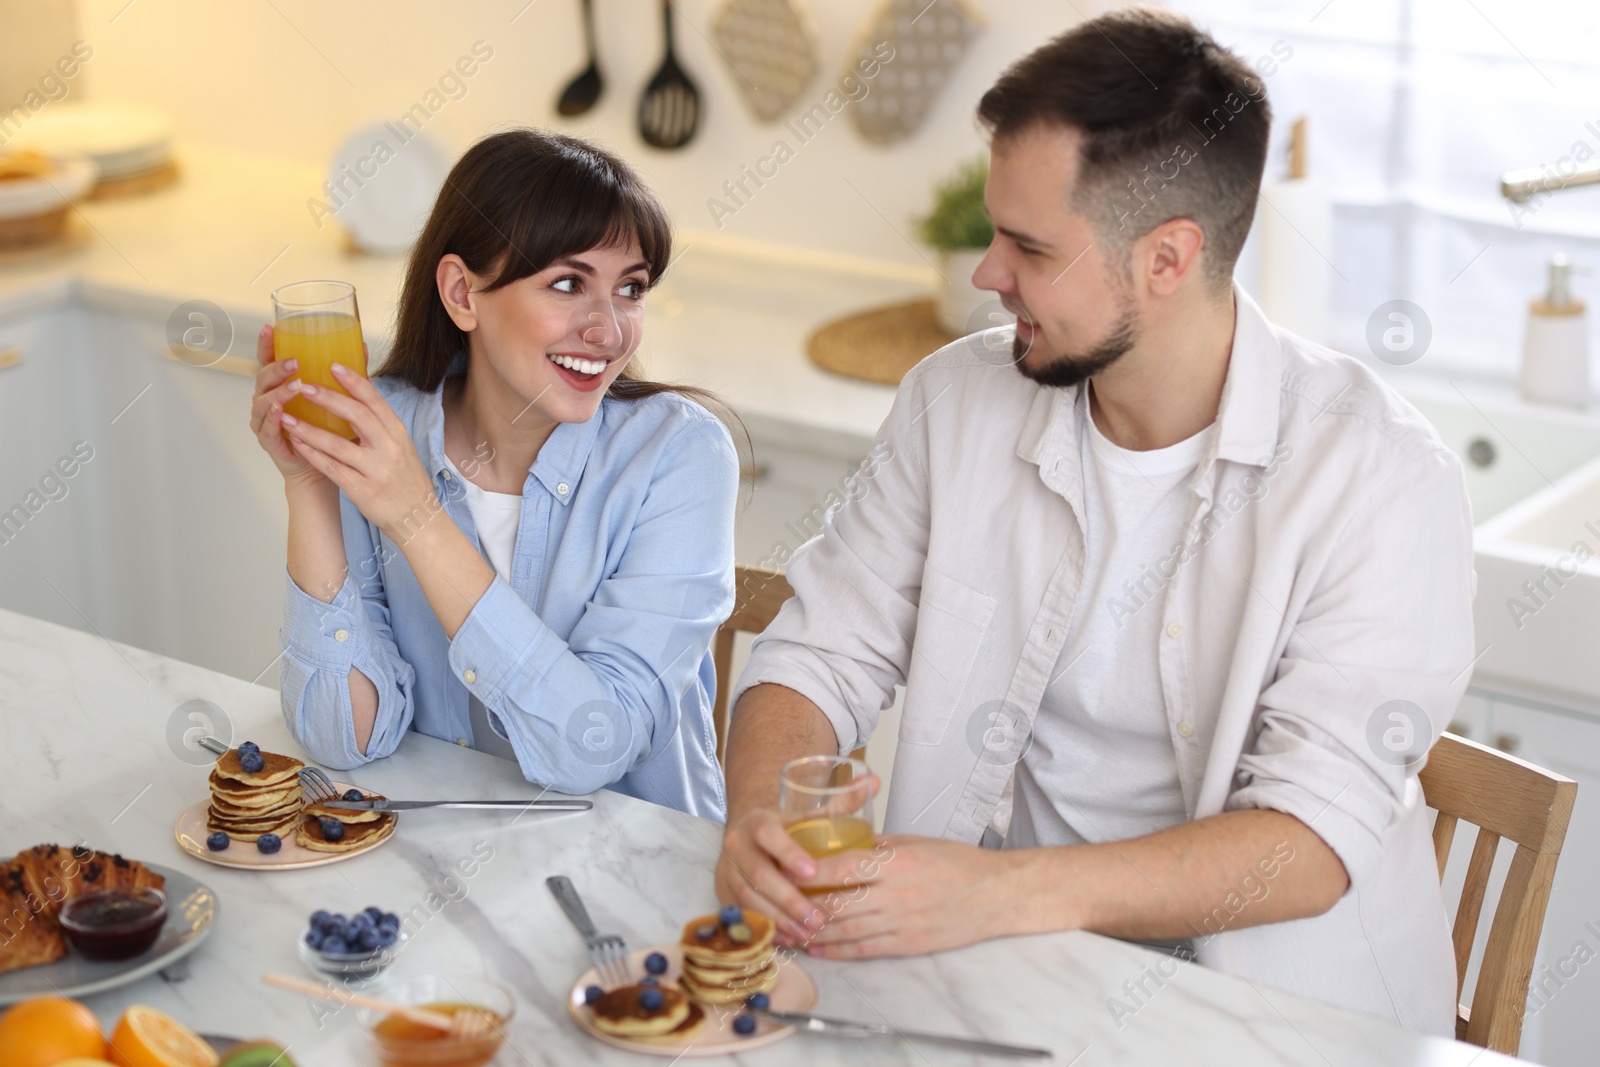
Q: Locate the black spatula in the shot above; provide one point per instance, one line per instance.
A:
(582, 92)
(669, 110)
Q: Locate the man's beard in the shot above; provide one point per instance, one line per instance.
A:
(1079, 367)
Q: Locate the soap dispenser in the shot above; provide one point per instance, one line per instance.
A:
(1555, 345)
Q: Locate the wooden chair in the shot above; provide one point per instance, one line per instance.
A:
(1504, 797)
(758, 594)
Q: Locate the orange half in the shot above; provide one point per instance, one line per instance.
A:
(145, 1037)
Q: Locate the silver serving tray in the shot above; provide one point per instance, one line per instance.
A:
(191, 911)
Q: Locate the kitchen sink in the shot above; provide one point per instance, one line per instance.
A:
(1510, 450)
(1538, 605)
(1533, 477)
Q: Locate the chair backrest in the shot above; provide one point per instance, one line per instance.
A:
(1504, 797)
(758, 593)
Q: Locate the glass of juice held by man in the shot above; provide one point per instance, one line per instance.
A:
(317, 323)
(826, 804)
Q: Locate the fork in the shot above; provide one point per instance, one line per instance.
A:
(317, 785)
(608, 952)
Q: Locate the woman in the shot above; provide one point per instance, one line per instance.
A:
(528, 548)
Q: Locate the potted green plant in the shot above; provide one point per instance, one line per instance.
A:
(960, 230)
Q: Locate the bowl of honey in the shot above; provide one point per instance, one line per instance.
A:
(401, 1042)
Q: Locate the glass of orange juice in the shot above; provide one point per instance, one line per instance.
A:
(317, 323)
(826, 805)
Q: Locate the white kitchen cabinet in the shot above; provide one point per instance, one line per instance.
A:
(787, 491)
(47, 545)
(171, 537)
(202, 579)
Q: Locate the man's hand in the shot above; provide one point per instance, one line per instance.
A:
(909, 896)
(756, 853)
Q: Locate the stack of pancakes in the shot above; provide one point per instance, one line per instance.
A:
(723, 968)
(247, 804)
(619, 1012)
(361, 828)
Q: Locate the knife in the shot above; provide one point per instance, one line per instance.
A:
(413, 805)
(818, 1024)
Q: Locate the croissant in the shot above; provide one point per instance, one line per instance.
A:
(36, 883)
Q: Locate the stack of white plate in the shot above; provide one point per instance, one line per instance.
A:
(32, 197)
(122, 140)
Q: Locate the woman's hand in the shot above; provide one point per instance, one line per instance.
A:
(380, 471)
(275, 386)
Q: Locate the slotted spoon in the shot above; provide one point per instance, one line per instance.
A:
(669, 110)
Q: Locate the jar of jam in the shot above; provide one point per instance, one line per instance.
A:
(114, 924)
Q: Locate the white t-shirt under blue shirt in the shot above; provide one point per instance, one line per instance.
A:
(496, 515)
(1101, 765)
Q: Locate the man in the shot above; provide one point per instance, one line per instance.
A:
(1178, 599)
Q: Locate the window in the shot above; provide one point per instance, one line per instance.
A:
(1415, 109)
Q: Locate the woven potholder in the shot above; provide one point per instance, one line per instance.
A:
(772, 50)
(928, 39)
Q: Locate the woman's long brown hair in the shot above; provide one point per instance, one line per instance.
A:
(513, 204)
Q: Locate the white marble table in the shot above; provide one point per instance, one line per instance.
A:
(84, 756)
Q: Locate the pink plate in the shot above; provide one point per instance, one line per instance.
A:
(795, 991)
(192, 832)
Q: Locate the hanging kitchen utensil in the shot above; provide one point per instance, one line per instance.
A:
(928, 41)
(669, 110)
(771, 48)
(582, 92)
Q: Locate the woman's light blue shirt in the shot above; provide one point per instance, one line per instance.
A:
(594, 661)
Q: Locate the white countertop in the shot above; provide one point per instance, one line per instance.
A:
(84, 756)
(730, 316)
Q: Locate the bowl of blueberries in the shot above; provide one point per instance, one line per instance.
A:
(357, 946)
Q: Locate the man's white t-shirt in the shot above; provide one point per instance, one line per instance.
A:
(1101, 765)
(497, 516)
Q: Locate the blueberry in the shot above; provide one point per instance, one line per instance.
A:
(705, 931)
(252, 762)
(314, 939)
(373, 913)
(730, 915)
(353, 794)
(592, 994)
(217, 841)
(651, 998)
(269, 843)
(758, 1001)
(655, 963)
(338, 919)
(249, 746)
(368, 940)
(391, 918)
(334, 946)
(332, 829)
(387, 936)
(360, 923)
(319, 917)
(744, 1025)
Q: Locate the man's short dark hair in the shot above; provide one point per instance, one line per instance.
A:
(1173, 125)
